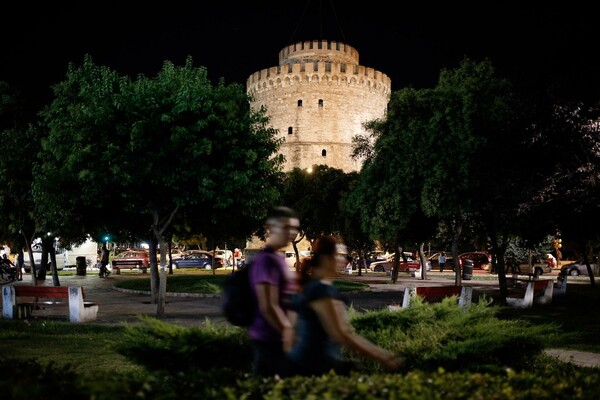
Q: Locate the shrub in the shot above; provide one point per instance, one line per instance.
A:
(25, 379)
(444, 335)
(429, 335)
(161, 346)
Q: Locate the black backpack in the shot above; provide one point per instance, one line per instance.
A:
(238, 302)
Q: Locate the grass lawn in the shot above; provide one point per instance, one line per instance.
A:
(575, 313)
(207, 283)
(86, 346)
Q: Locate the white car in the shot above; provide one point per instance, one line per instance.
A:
(37, 258)
(226, 256)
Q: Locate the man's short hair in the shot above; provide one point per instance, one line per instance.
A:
(281, 212)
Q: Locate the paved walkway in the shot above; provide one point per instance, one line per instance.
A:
(118, 307)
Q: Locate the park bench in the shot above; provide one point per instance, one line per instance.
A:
(464, 294)
(536, 292)
(79, 310)
(118, 265)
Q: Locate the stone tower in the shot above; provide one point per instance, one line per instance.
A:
(318, 98)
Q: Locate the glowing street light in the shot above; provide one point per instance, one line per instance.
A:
(557, 244)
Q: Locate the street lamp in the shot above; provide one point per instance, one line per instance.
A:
(557, 244)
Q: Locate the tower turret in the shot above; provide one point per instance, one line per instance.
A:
(318, 98)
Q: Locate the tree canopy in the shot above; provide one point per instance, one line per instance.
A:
(128, 155)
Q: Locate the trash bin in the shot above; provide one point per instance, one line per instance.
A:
(81, 265)
(467, 266)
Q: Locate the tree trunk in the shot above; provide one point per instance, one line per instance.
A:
(154, 278)
(499, 264)
(297, 255)
(396, 263)
(586, 261)
(31, 260)
(423, 262)
(44, 262)
(159, 286)
(361, 263)
(457, 267)
(162, 290)
(170, 243)
(54, 267)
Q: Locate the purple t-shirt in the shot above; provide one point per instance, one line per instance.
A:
(270, 267)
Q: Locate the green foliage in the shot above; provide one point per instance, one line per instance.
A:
(431, 336)
(161, 346)
(434, 385)
(213, 362)
(28, 380)
(87, 347)
(577, 326)
(213, 284)
(204, 284)
(443, 335)
(348, 286)
(316, 197)
(120, 144)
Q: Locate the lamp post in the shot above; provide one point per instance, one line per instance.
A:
(557, 244)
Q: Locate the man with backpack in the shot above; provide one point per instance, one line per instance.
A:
(272, 283)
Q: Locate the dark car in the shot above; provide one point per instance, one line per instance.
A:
(480, 259)
(579, 268)
(197, 259)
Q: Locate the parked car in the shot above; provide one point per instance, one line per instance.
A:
(522, 267)
(434, 259)
(226, 256)
(176, 254)
(481, 260)
(406, 264)
(197, 259)
(579, 268)
(141, 258)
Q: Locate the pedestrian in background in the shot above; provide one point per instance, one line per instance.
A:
(273, 285)
(442, 261)
(104, 256)
(20, 263)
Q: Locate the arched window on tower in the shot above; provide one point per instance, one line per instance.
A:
(324, 153)
(320, 102)
(299, 103)
(290, 130)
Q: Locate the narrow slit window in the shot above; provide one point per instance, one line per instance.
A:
(320, 102)
(290, 130)
(324, 153)
(299, 103)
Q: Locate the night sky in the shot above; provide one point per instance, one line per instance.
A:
(533, 44)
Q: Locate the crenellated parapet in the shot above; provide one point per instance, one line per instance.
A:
(326, 73)
(318, 50)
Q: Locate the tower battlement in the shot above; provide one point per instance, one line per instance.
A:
(318, 72)
(318, 50)
(318, 99)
